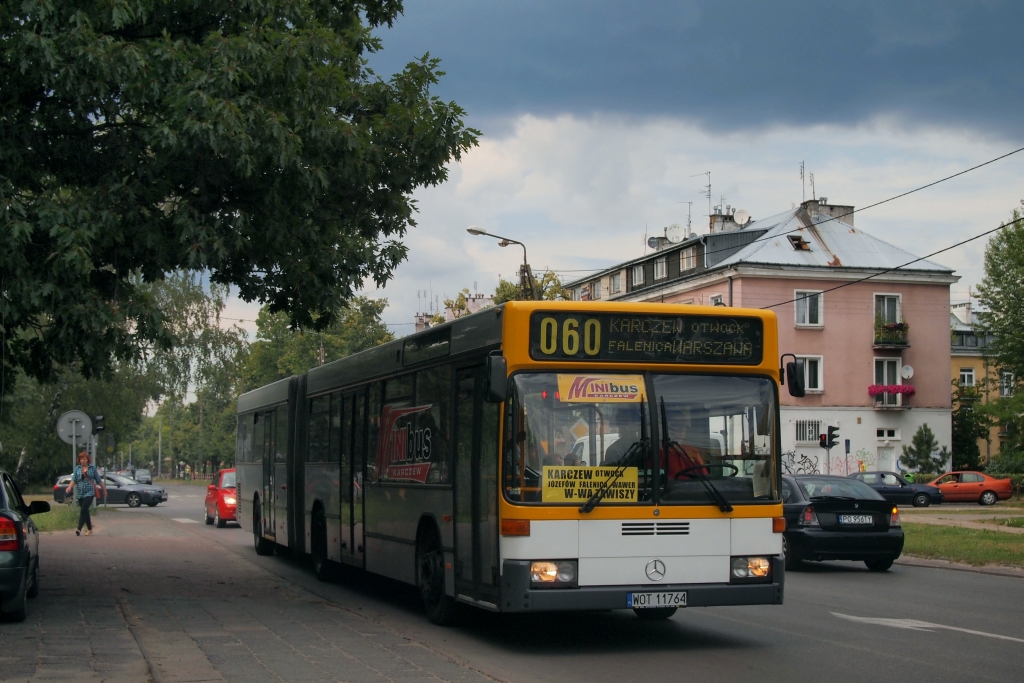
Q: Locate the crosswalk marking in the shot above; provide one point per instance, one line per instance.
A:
(185, 520)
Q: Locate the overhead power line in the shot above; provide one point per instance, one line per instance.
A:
(904, 265)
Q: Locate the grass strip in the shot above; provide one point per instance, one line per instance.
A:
(59, 518)
(969, 546)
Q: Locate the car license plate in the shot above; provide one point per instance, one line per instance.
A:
(856, 519)
(649, 600)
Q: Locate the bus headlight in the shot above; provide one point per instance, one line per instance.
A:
(751, 569)
(553, 573)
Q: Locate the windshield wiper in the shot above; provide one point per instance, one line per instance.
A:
(634, 448)
(666, 443)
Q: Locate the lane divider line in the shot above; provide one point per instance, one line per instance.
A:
(915, 625)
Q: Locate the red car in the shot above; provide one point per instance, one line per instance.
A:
(970, 487)
(221, 499)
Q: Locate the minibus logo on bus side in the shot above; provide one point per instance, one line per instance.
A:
(403, 453)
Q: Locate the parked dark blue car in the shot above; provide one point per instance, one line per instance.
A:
(19, 550)
(895, 489)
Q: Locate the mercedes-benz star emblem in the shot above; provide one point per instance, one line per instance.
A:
(655, 570)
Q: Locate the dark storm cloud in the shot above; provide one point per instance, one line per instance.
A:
(729, 65)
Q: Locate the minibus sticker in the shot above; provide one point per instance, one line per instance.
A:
(578, 484)
(600, 388)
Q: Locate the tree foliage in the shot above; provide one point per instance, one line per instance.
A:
(923, 454)
(969, 425)
(240, 138)
(1001, 294)
(280, 351)
(549, 285)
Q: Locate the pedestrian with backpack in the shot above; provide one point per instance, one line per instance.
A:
(87, 484)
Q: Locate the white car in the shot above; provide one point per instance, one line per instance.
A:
(581, 449)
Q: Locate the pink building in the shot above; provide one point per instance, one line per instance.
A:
(876, 352)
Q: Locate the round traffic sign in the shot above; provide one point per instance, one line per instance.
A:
(74, 426)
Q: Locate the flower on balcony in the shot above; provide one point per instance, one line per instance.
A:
(895, 327)
(879, 389)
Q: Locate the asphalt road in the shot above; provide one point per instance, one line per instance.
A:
(839, 623)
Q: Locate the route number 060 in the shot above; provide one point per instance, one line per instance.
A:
(570, 336)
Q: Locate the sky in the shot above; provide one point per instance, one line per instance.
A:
(597, 119)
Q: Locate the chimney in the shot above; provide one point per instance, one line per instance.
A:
(841, 212)
(723, 220)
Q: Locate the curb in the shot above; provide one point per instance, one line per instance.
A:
(991, 569)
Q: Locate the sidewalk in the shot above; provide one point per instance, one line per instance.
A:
(146, 599)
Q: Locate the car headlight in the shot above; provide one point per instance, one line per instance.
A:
(751, 569)
(553, 573)
(229, 500)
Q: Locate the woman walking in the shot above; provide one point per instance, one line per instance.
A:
(87, 483)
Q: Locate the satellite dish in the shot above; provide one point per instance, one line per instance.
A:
(652, 242)
(675, 233)
(74, 427)
(907, 372)
(742, 217)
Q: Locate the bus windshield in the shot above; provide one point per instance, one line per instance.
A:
(574, 434)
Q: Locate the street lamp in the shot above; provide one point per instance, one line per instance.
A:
(526, 282)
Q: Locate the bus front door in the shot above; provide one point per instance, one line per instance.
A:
(476, 489)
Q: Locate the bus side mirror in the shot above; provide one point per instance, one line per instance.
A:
(795, 377)
(497, 379)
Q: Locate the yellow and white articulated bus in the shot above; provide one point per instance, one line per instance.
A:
(535, 456)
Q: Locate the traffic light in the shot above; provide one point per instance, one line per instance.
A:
(823, 441)
(97, 424)
(833, 437)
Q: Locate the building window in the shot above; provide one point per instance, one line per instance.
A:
(887, 308)
(716, 300)
(660, 269)
(813, 373)
(808, 431)
(967, 377)
(809, 308)
(638, 275)
(971, 340)
(577, 294)
(595, 290)
(887, 433)
(688, 258)
(1006, 384)
(887, 372)
(615, 283)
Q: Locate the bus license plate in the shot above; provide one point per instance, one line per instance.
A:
(856, 519)
(651, 600)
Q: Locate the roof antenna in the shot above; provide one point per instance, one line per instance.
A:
(813, 193)
(803, 186)
(707, 188)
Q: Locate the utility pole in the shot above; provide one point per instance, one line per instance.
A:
(159, 444)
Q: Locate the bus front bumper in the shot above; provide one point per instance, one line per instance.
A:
(518, 595)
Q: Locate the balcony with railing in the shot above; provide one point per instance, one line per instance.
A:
(889, 335)
(891, 396)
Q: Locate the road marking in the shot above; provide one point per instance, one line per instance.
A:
(189, 495)
(185, 520)
(915, 625)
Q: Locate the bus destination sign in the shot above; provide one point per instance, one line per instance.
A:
(646, 338)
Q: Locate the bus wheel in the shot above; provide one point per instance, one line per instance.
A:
(318, 543)
(263, 546)
(440, 607)
(655, 613)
